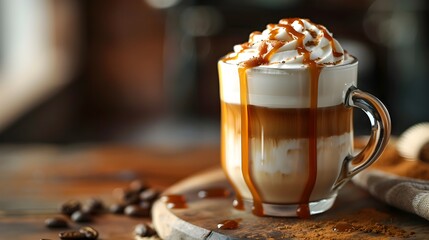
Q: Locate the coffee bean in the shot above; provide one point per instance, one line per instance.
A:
(72, 235)
(56, 222)
(68, 208)
(149, 195)
(136, 211)
(81, 217)
(89, 232)
(144, 230)
(131, 198)
(138, 186)
(126, 196)
(145, 204)
(117, 208)
(84, 233)
(93, 206)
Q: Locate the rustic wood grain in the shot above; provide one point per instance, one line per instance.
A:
(36, 179)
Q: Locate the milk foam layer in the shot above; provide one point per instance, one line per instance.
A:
(287, 88)
(284, 45)
(282, 165)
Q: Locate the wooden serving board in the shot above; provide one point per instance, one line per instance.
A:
(355, 215)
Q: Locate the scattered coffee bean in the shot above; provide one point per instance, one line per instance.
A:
(135, 201)
(138, 186)
(68, 208)
(131, 198)
(136, 211)
(81, 217)
(89, 232)
(144, 230)
(72, 235)
(149, 195)
(146, 204)
(84, 233)
(126, 196)
(117, 208)
(93, 206)
(56, 222)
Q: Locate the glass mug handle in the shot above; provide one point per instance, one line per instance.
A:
(380, 133)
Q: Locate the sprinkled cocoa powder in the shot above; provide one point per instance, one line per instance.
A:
(367, 223)
(374, 222)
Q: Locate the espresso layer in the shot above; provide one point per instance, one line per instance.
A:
(291, 123)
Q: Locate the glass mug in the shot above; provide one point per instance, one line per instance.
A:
(287, 135)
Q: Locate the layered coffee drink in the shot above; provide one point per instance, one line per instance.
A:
(285, 130)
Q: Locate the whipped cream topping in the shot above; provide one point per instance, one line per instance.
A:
(293, 42)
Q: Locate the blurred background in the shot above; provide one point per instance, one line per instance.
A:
(144, 71)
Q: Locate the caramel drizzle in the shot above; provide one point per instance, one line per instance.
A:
(285, 23)
(245, 163)
(303, 210)
(335, 53)
(238, 202)
(174, 201)
(266, 50)
(229, 224)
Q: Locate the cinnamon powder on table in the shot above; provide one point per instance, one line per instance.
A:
(365, 224)
(391, 162)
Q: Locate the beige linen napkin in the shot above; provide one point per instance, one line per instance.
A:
(407, 194)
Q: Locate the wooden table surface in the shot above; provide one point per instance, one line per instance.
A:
(36, 179)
